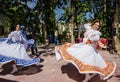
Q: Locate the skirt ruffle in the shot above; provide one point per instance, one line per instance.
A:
(5, 59)
(107, 71)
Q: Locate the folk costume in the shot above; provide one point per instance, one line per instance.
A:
(14, 48)
(85, 56)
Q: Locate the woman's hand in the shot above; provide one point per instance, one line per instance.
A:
(101, 44)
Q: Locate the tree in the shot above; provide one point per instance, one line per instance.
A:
(75, 14)
(115, 25)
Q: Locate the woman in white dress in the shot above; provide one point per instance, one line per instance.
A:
(85, 55)
(20, 37)
(14, 48)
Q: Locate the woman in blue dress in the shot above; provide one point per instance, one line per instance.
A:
(14, 48)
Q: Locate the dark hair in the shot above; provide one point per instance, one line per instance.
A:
(12, 28)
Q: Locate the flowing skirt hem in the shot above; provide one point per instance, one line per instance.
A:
(107, 71)
(5, 59)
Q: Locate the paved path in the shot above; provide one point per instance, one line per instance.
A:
(50, 70)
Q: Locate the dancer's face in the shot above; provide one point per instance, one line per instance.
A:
(18, 27)
(96, 25)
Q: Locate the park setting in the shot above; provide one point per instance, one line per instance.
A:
(59, 41)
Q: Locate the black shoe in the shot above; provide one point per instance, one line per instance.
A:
(37, 54)
(41, 60)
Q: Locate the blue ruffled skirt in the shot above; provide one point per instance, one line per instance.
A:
(15, 51)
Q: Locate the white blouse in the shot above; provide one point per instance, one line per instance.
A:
(92, 35)
(16, 36)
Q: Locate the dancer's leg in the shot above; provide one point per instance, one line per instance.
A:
(14, 68)
(88, 77)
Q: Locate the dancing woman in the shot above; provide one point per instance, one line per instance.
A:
(13, 48)
(20, 37)
(85, 55)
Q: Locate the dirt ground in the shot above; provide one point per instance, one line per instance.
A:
(51, 70)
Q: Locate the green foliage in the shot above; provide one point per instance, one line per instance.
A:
(43, 13)
(64, 37)
(105, 34)
(40, 39)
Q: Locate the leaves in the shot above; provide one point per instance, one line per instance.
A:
(43, 14)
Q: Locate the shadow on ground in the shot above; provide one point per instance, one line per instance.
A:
(118, 76)
(6, 80)
(73, 73)
(33, 69)
(29, 70)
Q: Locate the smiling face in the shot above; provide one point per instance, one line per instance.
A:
(96, 25)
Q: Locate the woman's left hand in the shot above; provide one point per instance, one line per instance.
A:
(101, 44)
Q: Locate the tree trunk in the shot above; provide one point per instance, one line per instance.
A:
(44, 32)
(72, 25)
(115, 25)
(104, 4)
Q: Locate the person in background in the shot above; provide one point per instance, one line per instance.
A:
(85, 56)
(32, 34)
(34, 48)
(56, 39)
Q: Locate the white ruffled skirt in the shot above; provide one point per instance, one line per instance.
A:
(86, 59)
(15, 51)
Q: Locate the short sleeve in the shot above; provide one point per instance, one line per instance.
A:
(87, 26)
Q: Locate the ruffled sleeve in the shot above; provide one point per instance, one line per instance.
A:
(87, 26)
(15, 36)
(95, 36)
